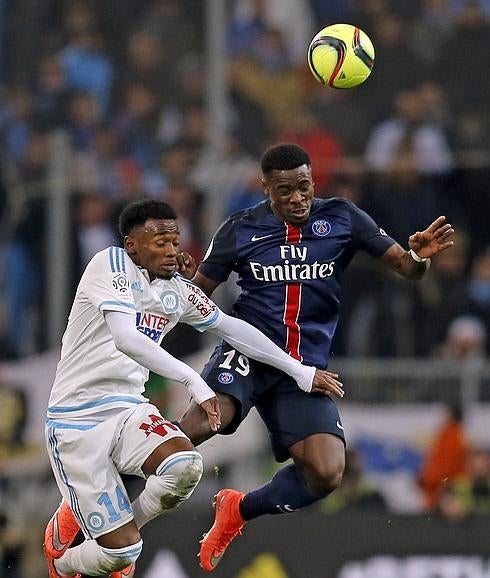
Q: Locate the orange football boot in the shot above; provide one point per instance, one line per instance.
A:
(60, 531)
(228, 524)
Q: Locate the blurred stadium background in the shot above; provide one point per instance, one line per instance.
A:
(105, 101)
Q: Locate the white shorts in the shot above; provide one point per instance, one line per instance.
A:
(87, 461)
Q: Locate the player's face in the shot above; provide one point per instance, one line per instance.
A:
(155, 246)
(291, 193)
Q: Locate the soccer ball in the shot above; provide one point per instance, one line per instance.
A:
(341, 56)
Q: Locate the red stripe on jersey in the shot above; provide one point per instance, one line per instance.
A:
(292, 303)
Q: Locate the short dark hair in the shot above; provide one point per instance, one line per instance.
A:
(283, 157)
(136, 214)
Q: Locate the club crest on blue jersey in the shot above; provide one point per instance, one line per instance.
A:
(151, 324)
(225, 377)
(321, 228)
(170, 301)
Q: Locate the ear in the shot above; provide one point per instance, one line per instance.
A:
(265, 188)
(130, 245)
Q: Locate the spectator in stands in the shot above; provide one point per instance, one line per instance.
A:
(471, 36)
(259, 73)
(343, 112)
(94, 230)
(445, 459)
(177, 23)
(25, 257)
(249, 120)
(479, 290)
(82, 119)
(237, 177)
(85, 63)
(367, 14)
(470, 493)
(401, 199)
(410, 128)
(246, 25)
(442, 299)
(434, 25)
(332, 11)
(50, 94)
(97, 167)
(147, 63)
(136, 124)
(397, 67)
(307, 130)
(466, 339)
(13, 404)
(245, 195)
(292, 19)
(22, 467)
(194, 129)
(16, 122)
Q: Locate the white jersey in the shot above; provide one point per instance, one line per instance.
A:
(93, 376)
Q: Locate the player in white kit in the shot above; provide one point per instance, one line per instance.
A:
(99, 423)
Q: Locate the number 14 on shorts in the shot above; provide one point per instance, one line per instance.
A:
(122, 504)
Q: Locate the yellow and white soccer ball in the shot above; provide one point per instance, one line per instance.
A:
(341, 56)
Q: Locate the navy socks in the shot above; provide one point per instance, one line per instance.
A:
(286, 492)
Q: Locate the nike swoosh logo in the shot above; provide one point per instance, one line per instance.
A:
(255, 238)
(215, 559)
(339, 425)
(57, 543)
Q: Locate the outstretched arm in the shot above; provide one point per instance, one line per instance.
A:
(423, 245)
(149, 354)
(253, 343)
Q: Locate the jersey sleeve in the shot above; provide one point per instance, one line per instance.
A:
(218, 261)
(367, 234)
(199, 310)
(106, 284)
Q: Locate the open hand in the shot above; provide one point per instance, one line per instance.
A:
(186, 265)
(436, 238)
(212, 409)
(326, 382)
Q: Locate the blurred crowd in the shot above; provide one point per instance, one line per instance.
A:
(126, 80)
(127, 83)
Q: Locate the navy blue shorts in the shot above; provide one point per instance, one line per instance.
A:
(290, 414)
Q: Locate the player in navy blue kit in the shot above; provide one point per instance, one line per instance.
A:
(290, 252)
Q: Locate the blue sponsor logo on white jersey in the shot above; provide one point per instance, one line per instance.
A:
(151, 324)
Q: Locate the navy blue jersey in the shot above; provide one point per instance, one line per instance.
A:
(290, 276)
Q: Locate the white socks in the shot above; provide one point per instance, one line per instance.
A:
(92, 559)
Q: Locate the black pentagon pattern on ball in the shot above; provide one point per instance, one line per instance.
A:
(339, 46)
(359, 50)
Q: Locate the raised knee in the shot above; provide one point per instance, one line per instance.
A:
(176, 478)
(120, 558)
(325, 479)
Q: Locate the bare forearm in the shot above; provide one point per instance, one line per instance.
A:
(404, 263)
